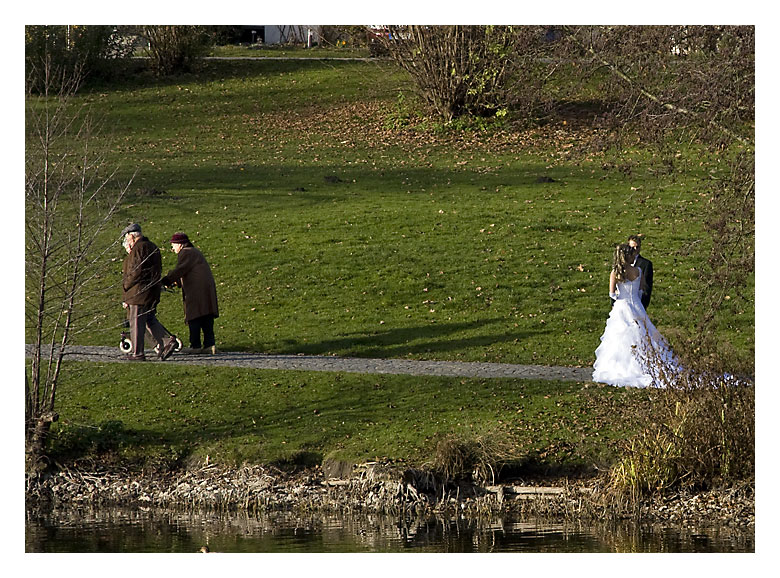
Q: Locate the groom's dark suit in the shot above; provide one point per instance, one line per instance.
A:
(647, 272)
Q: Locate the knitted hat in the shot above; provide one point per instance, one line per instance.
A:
(180, 238)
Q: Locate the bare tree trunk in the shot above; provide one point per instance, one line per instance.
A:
(69, 203)
(38, 433)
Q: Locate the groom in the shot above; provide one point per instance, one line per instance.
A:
(645, 265)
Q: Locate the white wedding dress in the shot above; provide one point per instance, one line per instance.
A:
(622, 357)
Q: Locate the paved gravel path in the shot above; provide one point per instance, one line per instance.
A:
(345, 364)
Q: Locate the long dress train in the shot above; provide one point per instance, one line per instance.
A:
(630, 343)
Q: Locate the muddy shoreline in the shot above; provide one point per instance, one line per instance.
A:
(377, 489)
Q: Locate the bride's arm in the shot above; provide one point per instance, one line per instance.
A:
(612, 283)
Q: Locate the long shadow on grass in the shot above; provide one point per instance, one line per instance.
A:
(137, 73)
(285, 184)
(403, 341)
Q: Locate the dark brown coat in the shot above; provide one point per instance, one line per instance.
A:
(198, 289)
(141, 272)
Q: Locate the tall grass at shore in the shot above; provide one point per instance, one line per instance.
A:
(700, 432)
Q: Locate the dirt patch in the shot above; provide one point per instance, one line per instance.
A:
(376, 125)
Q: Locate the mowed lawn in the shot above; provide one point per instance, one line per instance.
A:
(158, 415)
(337, 223)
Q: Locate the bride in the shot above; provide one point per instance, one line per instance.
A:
(630, 339)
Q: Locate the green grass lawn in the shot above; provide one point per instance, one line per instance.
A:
(157, 414)
(337, 222)
(330, 233)
(281, 51)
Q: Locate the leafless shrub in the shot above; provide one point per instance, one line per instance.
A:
(731, 222)
(465, 70)
(696, 81)
(70, 199)
(175, 49)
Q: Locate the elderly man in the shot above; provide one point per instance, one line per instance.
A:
(141, 271)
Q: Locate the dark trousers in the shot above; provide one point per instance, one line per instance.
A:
(143, 319)
(205, 324)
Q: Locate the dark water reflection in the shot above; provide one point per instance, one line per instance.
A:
(116, 530)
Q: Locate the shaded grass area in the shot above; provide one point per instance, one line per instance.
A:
(159, 416)
(281, 51)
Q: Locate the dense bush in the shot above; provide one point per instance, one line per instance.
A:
(702, 431)
(91, 50)
(175, 49)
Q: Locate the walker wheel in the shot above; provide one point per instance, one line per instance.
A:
(125, 346)
(179, 344)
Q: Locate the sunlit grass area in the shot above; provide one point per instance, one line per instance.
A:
(157, 415)
(332, 232)
(338, 221)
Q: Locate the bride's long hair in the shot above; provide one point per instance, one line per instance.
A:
(624, 258)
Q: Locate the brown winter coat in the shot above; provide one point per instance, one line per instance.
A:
(141, 272)
(198, 290)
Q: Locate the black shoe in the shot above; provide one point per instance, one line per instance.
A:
(131, 357)
(169, 348)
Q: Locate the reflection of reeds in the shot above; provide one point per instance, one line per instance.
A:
(124, 528)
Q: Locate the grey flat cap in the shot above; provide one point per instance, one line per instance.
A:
(134, 228)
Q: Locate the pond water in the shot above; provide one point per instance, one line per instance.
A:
(151, 530)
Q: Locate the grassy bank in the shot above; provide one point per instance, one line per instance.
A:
(158, 415)
(337, 222)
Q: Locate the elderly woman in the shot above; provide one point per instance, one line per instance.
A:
(199, 292)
